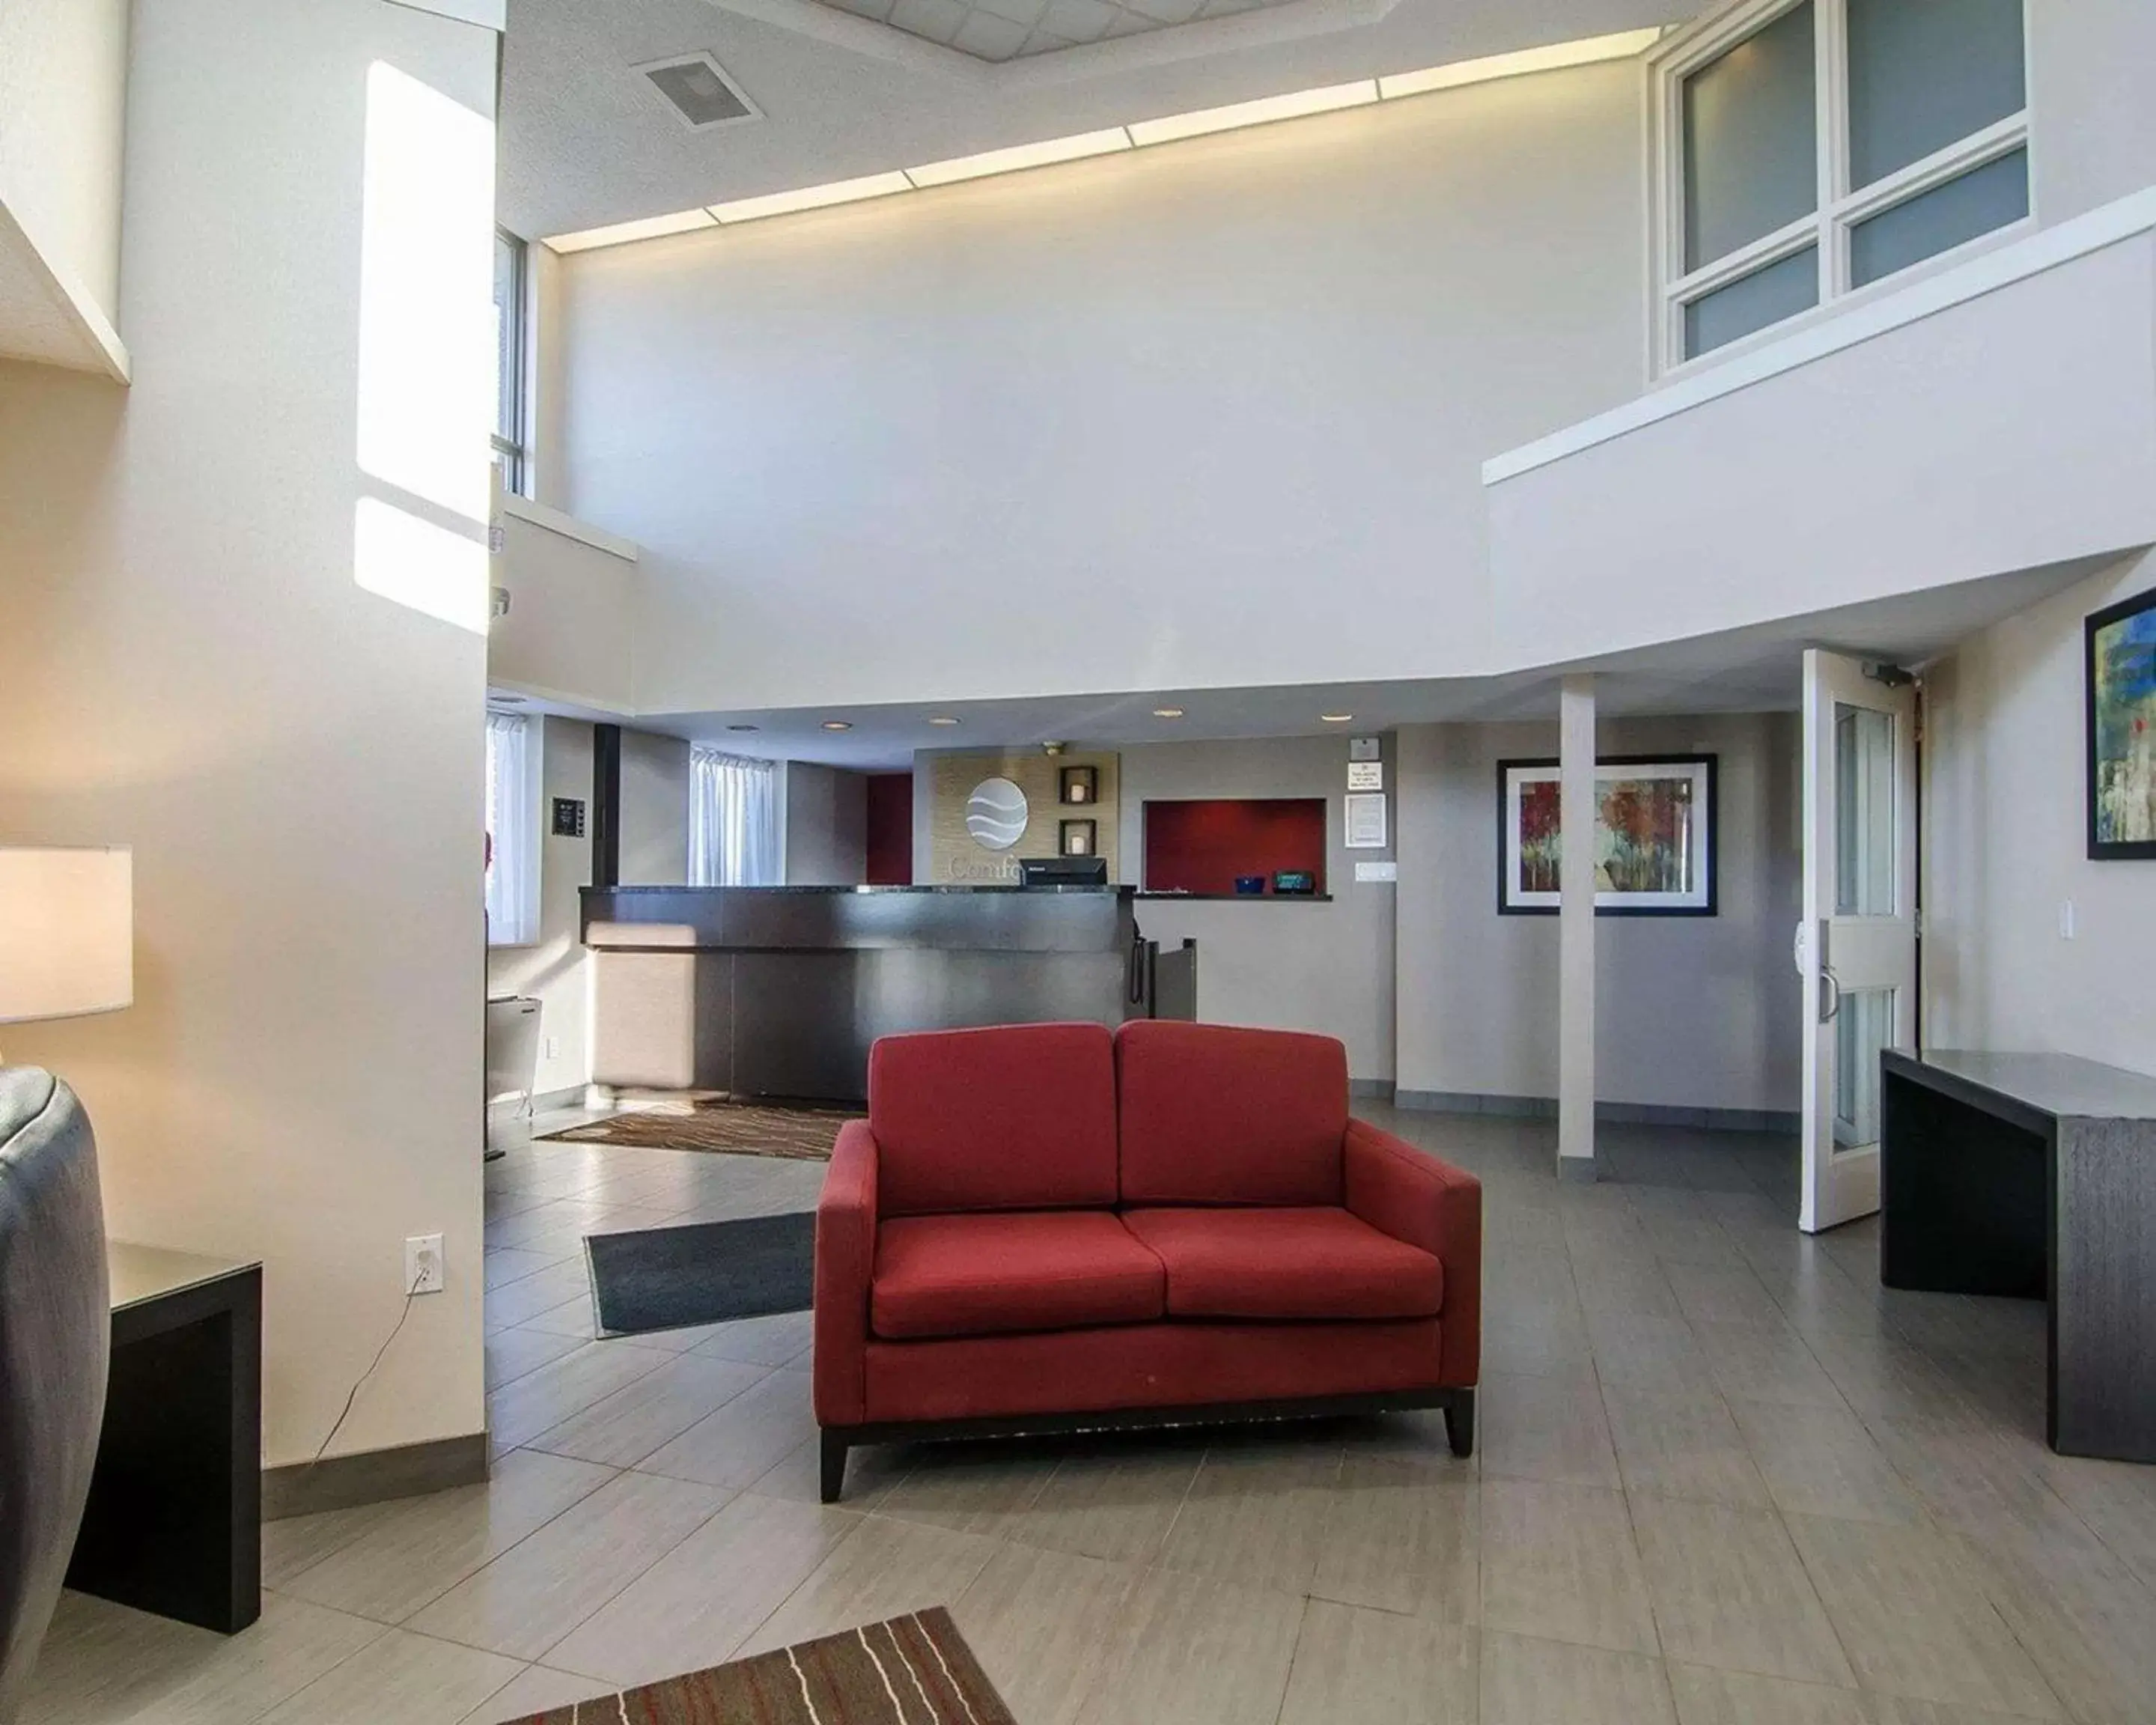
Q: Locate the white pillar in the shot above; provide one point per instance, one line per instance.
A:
(1578, 816)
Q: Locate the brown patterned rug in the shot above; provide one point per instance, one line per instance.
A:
(799, 1131)
(911, 1671)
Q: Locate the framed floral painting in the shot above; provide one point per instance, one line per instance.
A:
(1654, 843)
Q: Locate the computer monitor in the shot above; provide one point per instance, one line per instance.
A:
(1063, 872)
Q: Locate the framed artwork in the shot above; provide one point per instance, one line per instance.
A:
(1078, 838)
(1080, 784)
(1654, 843)
(2121, 681)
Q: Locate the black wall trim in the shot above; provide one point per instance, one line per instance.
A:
(373, 1476)
(606, 805)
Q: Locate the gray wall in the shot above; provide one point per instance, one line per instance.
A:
(1303, 967)
(1690, 1012)
(553, 967)
(654, 809)
(827, 825)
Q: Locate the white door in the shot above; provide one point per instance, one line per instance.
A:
(1856, 946)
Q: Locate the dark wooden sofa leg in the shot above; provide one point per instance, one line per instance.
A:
(834, 1464)
(1460, 1421)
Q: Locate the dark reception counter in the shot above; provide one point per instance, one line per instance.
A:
(779, 990)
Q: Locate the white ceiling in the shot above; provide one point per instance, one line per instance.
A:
(1745, 670)
(583, 145)
(1000, 30)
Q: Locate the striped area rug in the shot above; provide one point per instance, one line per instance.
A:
(912, 1671)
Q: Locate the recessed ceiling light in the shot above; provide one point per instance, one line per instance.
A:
(744, 728)
(837, 724)
(942, 719)
(1168, 712)
(685, 221)
(1335, 718)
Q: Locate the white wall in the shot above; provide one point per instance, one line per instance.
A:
(569, 634)
(1691, 1012)
(2006, 846)
(2094, 127)
(555, 968)
(1205, 414)
(298, 762)
(827, 825)
(1327, 968)
(63, 109)
(654, 809)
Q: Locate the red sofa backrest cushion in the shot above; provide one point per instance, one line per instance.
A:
(1015, 1117)
(1212, 1115)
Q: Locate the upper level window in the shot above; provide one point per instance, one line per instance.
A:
(1809, 148)
(510, 455)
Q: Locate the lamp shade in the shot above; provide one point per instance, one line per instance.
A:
(67, 932)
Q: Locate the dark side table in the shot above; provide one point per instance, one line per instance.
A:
(173, 1525)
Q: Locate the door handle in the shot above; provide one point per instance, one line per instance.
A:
(1829, 994)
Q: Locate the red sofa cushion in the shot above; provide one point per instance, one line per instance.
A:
(980, 1274)
(1020, 1117)
(1212, 1115)
(1303, 1263)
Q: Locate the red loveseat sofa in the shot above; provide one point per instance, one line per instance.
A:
(1041, 1228)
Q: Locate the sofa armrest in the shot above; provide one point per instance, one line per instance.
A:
(1413, 1196)
(845, 1264)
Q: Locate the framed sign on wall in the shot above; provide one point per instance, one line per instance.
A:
(1654, 841)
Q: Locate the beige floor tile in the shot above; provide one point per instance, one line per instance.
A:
(1730, 1293)
(1038, 1621)
(413, 1680)
(2085, 1619)
(1979, 1482)
(1730, 1591)
(780, 1340)
(1913, 1619)
(1400, 1539)
(296, 1543)
(1683, 1445)
(1526, 1682)
(523, 1300)
(1550, 1428)
(1900, 1710)
(1535, 1336)
(969, 1488)
(1360, 1667)
(103, 1664)
(797, 1475)
(536, 1690)
(511, 1354)
(1766, 1364)
(576, 1316)
(2118, 1499)
(1559, 1562)
(1116, 1499)
(1821, 1462)
(881, 1569)
(1627, 1285)
(1254, 1516)
(503, 1265)
(1418, 1436)
(620, 1429)
(1648, 1356)
(429, 1544)
(520, 1410)
(540, 1589)
(743, 1440)
(1189, 1650)
(700, 1601)
(1882, 1376)
(1706, 1696)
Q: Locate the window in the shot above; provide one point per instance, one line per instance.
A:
(733, 820)
(510, 452)
(1809, 148)
(512, 831)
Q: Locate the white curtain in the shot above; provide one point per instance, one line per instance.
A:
(733, 820)
(512, 822)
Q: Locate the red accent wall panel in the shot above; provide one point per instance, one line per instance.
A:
(1202, 846)
(890, 830)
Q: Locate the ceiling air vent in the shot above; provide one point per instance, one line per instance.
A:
(697, 89)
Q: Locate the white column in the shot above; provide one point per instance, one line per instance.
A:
(1578, 816)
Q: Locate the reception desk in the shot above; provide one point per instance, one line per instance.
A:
(779, 990)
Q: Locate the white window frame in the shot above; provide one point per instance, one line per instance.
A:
(1840, 208)
(514, 445)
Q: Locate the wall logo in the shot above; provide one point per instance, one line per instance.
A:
(996, 814)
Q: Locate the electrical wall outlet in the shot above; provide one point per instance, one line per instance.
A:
(2066, 920)
(423, 1263)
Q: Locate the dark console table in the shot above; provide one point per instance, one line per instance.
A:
(2034, 1177)
(173, 1524)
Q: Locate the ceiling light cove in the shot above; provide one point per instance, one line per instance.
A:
(1168, 712)
(944, 719)
(837, 724)
(1296, 105)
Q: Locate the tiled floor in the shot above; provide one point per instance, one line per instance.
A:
(1723, 1477)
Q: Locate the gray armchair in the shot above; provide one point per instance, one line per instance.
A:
(55, 1335)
